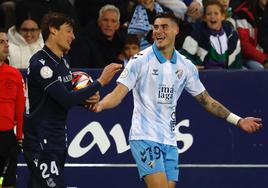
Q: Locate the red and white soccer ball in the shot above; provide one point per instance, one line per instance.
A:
(80, 80)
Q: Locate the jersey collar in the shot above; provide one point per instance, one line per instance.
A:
(53, 56)
(162, 58)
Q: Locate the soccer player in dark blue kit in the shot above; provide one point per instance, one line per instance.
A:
(50, 96)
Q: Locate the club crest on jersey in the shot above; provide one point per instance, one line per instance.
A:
(179, 73)
(124, 73)
(46, 72)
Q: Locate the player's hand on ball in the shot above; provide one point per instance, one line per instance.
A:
(108, 73)
(250, 124)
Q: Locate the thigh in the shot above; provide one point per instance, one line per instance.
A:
(148, 157)
(171, 160)
(46, 168)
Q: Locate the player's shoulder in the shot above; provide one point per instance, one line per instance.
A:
(38, 60)
(185, 62)
(12, 70)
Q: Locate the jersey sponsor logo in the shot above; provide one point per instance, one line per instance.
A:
(124, 73)
(67, 78)
(165, 94)
(46, 72)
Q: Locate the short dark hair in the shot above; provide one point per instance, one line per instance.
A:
(54, 19)
(169, 15)
(132, 39)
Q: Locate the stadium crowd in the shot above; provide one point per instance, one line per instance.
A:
(102, 27)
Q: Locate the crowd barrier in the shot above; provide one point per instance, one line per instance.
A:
(213, 153)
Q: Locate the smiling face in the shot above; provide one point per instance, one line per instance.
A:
(30, 31)
(63, 37)
(214, 16)
(164, 33)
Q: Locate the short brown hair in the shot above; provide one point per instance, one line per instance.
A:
(54, 19)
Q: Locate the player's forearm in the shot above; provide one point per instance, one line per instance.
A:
(212, 106)
(110, 101)
(71, 98)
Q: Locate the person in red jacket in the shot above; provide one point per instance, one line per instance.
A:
(12, 104)
(248, 16)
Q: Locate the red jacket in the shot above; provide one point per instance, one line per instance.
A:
(12, 99)
(248, 33)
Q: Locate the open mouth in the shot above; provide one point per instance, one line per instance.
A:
(213, 22)
(160, 38)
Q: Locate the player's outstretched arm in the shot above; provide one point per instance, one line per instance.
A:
(112, 99)
(248, 124)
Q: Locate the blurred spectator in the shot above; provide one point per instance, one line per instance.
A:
(263, 37)
(235, 3)
(229, 11)
(131, 47)
(213, 43)
(101, 44)
(248, 17)
(178, 7)
(87, 11)
(7, 13)
(41, 7)
(25, 38)
(188, 11)
(142, 20)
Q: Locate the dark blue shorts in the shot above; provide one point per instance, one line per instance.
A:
(46, 168)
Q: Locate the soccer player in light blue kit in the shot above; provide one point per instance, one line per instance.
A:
(157, 76)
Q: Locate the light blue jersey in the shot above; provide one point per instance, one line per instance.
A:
(157, 84)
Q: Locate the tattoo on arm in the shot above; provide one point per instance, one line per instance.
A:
(212, 106)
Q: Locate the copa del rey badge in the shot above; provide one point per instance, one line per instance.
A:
(46, 72)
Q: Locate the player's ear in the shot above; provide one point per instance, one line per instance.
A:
(52, 30)
(177, 29)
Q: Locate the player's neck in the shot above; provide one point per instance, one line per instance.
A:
(54, 48)
(167, 52)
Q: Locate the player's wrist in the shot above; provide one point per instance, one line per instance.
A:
(234, 119)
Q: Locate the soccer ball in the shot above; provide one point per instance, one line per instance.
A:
(80, 80)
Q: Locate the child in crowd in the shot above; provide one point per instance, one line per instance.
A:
(131, 47)
(213, 43)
